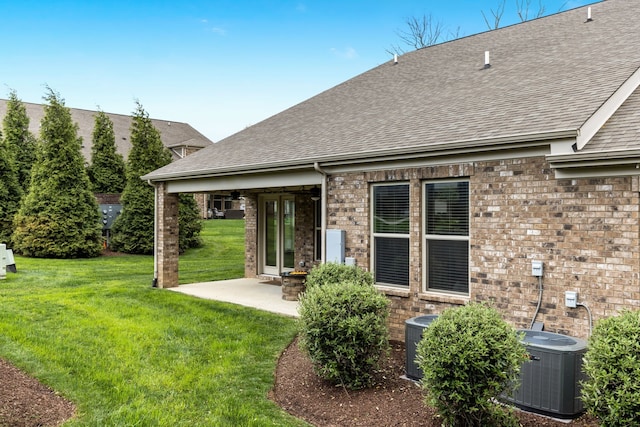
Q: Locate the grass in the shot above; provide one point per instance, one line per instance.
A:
(131, 355)
(224, 247)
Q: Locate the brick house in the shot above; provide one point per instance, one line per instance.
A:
(451, 170)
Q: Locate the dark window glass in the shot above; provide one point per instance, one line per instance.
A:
(448, 262)
(392, 261)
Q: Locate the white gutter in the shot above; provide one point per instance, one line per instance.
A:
(323, 210)
(433, 150)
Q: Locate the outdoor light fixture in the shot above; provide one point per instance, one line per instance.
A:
(315, 193)
(235, 195)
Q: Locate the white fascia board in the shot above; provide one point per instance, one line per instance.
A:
(245, 181)
(604, 113)
(604, 172)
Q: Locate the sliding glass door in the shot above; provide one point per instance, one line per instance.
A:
(277, 236)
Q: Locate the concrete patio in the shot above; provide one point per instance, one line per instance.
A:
(256, 293)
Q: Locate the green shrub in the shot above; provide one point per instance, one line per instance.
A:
(343, 330)
(469, 356)
(332, 272)
(611, 392)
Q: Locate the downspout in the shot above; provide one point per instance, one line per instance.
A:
(323, 210)
(154, 282)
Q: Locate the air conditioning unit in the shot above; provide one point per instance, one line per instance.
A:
(412, 336)
(550, 379)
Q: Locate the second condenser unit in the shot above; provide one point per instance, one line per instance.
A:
(550, 380)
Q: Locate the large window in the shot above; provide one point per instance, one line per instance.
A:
(391, 234)
(447, 236)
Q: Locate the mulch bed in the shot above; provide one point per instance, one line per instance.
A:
(393, 401)
(25, 402)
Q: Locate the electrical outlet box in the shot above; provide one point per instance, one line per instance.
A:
(536, 268)
(571, 299)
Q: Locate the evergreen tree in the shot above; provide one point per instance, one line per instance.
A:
(21, 143)
(107, 170)
(133, 230)
(189, 223)
(10, 192)
(59, 217)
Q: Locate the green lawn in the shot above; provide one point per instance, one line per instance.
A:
(128, 354)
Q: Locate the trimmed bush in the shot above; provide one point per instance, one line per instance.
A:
(469, 357)
(343, 330)
(335, 273)
(611, 392)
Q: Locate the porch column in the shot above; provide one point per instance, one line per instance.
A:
(166, 236)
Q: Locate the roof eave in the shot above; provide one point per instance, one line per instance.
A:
(433, 150)
(616, 158)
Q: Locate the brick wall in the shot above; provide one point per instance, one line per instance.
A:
(250, 235)
(305, 230)
(584, 231)
(167, 235)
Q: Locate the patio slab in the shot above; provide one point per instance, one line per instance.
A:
(256, 293)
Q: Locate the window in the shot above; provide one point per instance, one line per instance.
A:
(447, 236)
(391, 234)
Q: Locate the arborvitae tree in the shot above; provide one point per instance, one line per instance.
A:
(107, 170)
(59, 217)
(189, 223)
(10, 192)
(21, 143)
(133, 230)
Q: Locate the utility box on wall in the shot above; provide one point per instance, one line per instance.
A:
(335, 246)
(109, 213)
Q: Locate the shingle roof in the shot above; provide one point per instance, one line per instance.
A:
(173, 134)
(621, 131)
(547, 75)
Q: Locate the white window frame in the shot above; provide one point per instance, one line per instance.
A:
(375, 235)
(426, 238)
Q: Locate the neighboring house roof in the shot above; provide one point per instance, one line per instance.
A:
(560, 77)
(173, 134)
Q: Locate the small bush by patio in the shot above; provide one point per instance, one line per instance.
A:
(332, 272)
(611, 392)
(343, 330)
(469, 356)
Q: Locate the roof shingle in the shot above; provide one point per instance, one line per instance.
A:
(547, 75)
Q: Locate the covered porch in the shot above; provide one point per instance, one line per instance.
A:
(285, 220)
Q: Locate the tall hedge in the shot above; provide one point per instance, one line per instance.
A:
(20, 142)
(133, 230)
(10, 192)
(107, 169)
(59, 215)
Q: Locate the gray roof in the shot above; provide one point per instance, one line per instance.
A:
(173, 134)
(547, 76)
(621, 131)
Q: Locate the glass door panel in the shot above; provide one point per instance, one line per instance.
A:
(278, 224)
(271, 236)
(288, 234)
